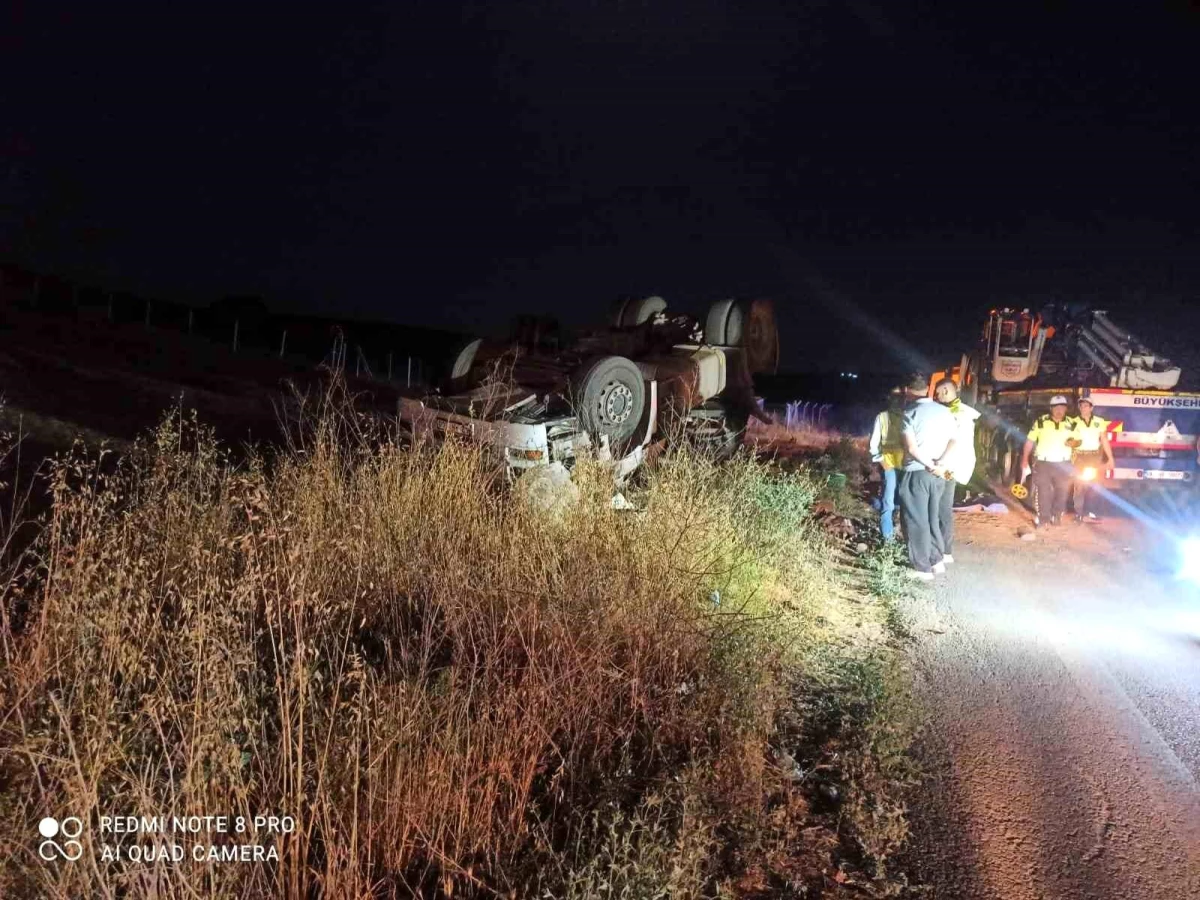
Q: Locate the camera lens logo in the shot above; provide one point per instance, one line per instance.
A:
(70, 828)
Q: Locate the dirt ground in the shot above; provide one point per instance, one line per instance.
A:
(1062, 679)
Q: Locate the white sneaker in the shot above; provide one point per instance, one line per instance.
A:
(920, 576)
(939, 569)
(948, 559)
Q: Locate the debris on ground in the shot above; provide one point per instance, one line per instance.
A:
(548, 488)
(619, 501)
(997, 508)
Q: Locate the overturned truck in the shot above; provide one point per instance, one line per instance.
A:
(648, 378)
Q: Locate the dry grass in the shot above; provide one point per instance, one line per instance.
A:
(776, 439)
(449, 693)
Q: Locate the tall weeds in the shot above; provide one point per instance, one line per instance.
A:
(449, 691)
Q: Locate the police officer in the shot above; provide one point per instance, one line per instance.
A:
(1094, 453)
(1051, 442)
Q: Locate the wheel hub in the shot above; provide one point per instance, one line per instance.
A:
(617, 402)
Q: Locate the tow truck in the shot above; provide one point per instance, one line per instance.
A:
(1023, 358)
(647, 378)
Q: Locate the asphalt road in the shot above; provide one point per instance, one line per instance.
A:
(1062, 681)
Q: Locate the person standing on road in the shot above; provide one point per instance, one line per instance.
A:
(1050, 442)
(1094, 452)
(887, 452)
(928, 436)
(959, 460)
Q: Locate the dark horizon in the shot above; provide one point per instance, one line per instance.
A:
(884, 173)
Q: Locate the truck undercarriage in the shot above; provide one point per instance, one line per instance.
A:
(645, 379)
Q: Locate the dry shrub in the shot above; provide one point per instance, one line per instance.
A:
(442, 686)
(784, 441)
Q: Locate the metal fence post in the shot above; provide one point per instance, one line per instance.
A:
(408, 381)
(389, 366)
(191, 314)
(236, 323)
(283, 343)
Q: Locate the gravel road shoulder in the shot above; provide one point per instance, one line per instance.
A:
(1062, 682)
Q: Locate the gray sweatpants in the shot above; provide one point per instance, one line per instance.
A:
(920, 496)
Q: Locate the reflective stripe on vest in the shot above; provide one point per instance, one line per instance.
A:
(1050, 439)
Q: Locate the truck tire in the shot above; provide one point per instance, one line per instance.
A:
(732, 437)
(716, 323)
(751, 326)
(461, 365)
(748, 325)
(1008, 465)
(638, 312)
(610, 396)
(629, 313)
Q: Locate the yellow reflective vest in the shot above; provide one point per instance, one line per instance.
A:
(1050, 438)
(887, 447)
(1090, 433)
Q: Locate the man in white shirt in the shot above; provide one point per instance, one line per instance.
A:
(960, 460)
(928, 432)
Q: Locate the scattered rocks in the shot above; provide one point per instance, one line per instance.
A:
(838, 526)
(619, 501)
(548, 488)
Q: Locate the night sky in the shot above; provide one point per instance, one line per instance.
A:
(878, 168)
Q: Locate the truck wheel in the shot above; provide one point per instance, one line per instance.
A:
(751, 326)
(464, 360)
(637, 312)
(716, 324)
(610, 396)
(733, 435)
